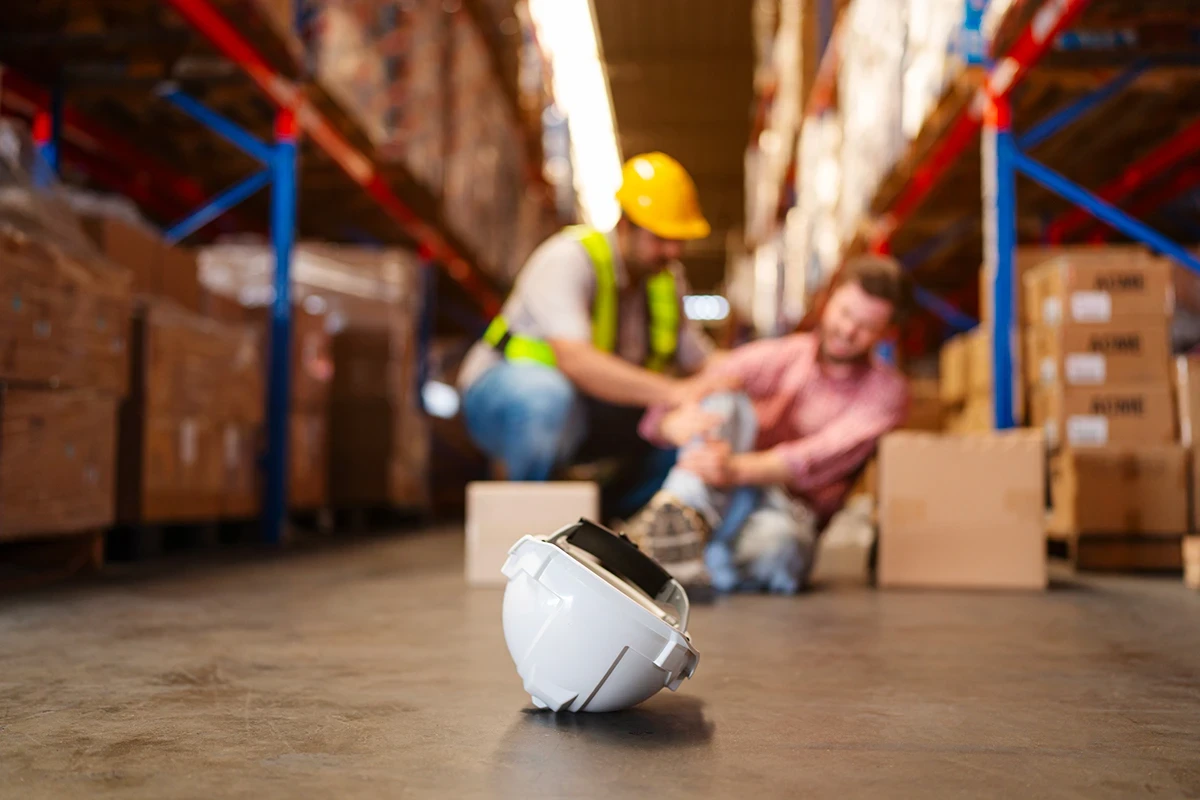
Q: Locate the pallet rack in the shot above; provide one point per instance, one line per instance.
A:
(121, 101)
(1053, 65)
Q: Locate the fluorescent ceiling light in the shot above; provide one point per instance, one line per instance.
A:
(566, 29)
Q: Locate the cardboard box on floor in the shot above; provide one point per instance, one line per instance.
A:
(962, 511)
(1119, 490)
(499, 513)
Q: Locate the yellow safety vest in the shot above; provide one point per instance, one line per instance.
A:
(661, 300)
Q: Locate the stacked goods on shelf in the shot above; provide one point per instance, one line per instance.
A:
(310, 374)
(413, 44)
(485, 160)
(64, 339)
(383, 62)
(379, 441)
(187, 435)
(895, 62)
(965, 372)
(360, 416)
(926, 409)
(188, 438)
(1099, 364)
(343, 43)
(870, 84)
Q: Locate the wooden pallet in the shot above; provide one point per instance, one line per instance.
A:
(1120, 553)
(26, 565)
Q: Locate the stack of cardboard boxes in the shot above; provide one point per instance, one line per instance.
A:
(1098, 365)
(64, 346)
(188, 437)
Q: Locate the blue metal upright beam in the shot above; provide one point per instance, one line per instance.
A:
(283, 225)
(999, 240)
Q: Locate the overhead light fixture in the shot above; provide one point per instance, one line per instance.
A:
(566, 30)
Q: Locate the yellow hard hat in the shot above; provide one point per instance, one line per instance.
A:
(658, 194)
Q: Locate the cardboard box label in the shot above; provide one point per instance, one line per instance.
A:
(187, 442)
(1085, 368)
(1086, 416)
(1091, 306)
(233, 445)
(1087, 430)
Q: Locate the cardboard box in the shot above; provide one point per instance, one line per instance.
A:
(180, 279)
(136, 248)
(1119, 490)
(962, 511)
(1087, 416)
(1025, 260)
(976, 416)
(1191, 561)
(170, 468)
(952, 370)
(64, 321)
(1187, 401)
(499, 513)
(925, 410)
(1131, 350)
(309, 461)
(1103, 285)
(979, 362)
(241, 496)
(57, 462)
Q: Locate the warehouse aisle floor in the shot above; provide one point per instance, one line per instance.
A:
(370, 671)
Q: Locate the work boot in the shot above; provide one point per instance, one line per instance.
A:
(675, 536)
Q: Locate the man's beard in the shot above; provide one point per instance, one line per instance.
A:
(831, 358)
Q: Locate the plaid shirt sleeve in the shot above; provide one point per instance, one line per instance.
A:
(839, 448)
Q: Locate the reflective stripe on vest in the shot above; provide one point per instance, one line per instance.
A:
(662, 302)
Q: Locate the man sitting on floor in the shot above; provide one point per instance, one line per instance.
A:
(761, 470)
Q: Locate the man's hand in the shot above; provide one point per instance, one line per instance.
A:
(696, 388)
(710, 462)
(715, 464)
(684, 423)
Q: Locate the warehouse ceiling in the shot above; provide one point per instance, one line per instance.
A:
(681, 77)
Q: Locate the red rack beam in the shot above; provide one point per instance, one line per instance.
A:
(1182, 182)
(287, 95)
(1154, 164)
(1051, 20)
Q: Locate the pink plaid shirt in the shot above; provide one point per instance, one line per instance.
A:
(824, 426)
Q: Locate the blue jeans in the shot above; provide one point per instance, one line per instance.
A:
(533, 419)
(763, 540)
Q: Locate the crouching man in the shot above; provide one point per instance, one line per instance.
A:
(761, 470)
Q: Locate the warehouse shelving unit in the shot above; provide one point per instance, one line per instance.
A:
(1108, 94)
(139, 95)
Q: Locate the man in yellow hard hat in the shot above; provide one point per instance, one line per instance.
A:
(592, 334)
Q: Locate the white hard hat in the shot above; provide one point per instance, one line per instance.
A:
(587, 623)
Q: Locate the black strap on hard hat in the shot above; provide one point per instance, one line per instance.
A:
(619, 555)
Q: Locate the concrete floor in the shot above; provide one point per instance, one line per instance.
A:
(370, 671)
